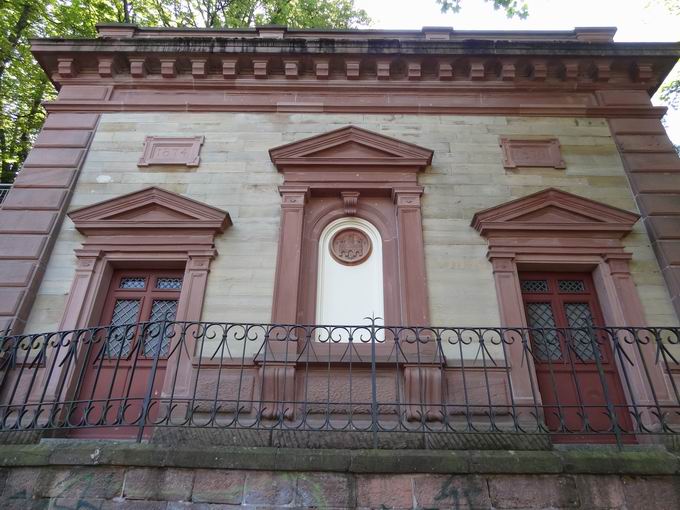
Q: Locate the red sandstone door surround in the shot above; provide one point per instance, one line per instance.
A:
(150, 228)
(557, 231)
(120, 366)
(575, 369)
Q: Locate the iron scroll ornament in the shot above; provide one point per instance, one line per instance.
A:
(350, 246)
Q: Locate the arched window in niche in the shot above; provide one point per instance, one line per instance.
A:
(350, 273)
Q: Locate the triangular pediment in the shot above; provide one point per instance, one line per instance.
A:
(350, 146)
(554, 210)
(150, 208)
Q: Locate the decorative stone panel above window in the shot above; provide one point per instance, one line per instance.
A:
(171, 151)
(532, 153)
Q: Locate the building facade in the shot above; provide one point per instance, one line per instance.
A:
(204, 213)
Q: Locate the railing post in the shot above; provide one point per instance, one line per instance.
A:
(592, 332)
(374, 389)
(152, 375)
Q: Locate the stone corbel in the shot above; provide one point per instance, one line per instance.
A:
(229, 67)
(277, 391)
(508, 71)
(322, 68)
(291, 68)
(168, 67)
(604, 68)
(352, 69)
(66, 68)
(199, 67)
(137, 67)
(643, 71)
(477, 71)
(445, 71)
(414, 71)
(540, 71)
(350, 199)
(382, 69)
(105, 67)
(424, 393)
(571, 68)
(260, 67)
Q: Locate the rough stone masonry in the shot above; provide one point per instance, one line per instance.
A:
(82, 475)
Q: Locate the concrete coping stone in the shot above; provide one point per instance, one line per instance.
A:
(591, 460)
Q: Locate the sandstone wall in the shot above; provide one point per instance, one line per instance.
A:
(236, 174)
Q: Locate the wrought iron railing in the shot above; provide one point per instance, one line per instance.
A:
(346, 386)
(4, 189)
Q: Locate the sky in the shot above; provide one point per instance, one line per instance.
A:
(636, 20)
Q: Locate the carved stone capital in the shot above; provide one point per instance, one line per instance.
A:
(618, 263)
(293, 196)
(502, 263)
(407, 197)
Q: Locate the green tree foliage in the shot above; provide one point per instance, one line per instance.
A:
(670, 91)
(513, 8)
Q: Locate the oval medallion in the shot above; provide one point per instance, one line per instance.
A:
(350, 246)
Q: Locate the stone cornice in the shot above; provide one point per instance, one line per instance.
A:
(436, 70)
(573, 63)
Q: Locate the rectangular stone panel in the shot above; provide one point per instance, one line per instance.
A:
(54, 157)
(637, 126)
(27, 222)
(16, 272)
(63, 138)
(653, 162)
(471, 394)
(672, 275)
(656, 182)
(226, 390)
(71, 121)
(44, 177)
(659, 204)
(645, 143)
(623, 97)
(83, 93)
(27, 198)
(664, 227)
(21, 246)
(670, 252)
(9, 300)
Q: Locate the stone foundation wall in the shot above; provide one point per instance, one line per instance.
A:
(123, 476)
(170, 488)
